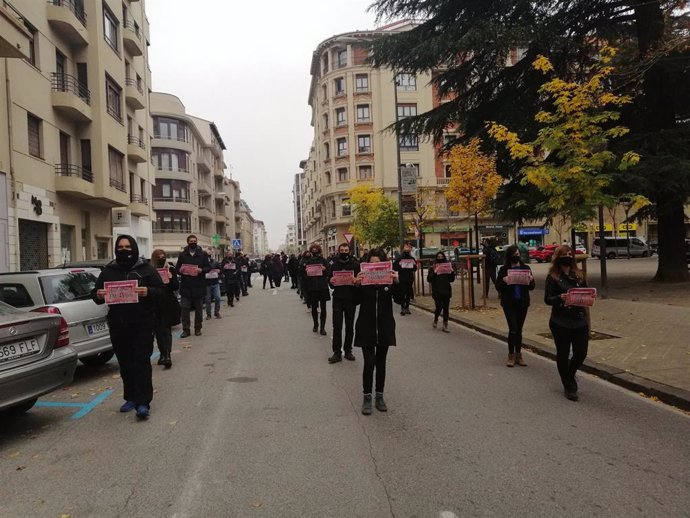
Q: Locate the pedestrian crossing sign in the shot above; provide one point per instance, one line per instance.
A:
(237, 244)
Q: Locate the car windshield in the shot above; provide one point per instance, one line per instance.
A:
(67, 287)
(6, 309)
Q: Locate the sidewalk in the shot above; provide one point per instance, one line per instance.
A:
(648, 350)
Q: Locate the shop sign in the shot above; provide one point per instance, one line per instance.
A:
(627, 227)
(538, 231)
(608, 227)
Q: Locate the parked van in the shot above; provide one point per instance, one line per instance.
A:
(618, 247)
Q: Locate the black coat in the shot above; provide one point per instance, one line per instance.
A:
(193, 287)
(440, 284)
(565, 316)
(131, 316)
(375, 324)
(167, 308)
(405, 275)
(213, 265)
(316, 283)
(507, 291)
(230, 271)
(276, 269)
(344, 293)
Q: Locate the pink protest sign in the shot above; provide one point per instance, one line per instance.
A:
(165, 275)
(580, 297)
(443, 268)
(343, 278)
(377, 273)
(189, 269)
(407, 264)
(314, 270)
(516, 276)
(121, 292)
(230, 266)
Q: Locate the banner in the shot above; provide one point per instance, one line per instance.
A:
(230, 266)
(407, 264)
(443, 268)
(165, 275)
(516, 276)
(581, 297)
(121, 292)
(213, 274)
(343, 278)
(377, 273)
(314, 270)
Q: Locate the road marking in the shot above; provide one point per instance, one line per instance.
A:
(84, 408)
(447, 514)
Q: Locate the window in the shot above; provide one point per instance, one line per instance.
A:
(343, 174)
(33, 44)
(327, 151)
(117, 174)
(340, 117)
(333, 209)
(325, 63)
(364, 144)
(366, 172)
(346, 207)
(407, 82)
(325, 121)
(342, 58)
(34, 132)
(324, 92)
(15, 295)
(328, 177)
(166, 190)
(448, 139)
(110, 28)
(447, 170)
(409, 143)
(339, 85)
(361, 83)
(113, 95)
(406, 110)
(363, 113)
(342, 146)
(171, 129)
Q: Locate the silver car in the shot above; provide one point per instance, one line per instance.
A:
(35, 357)
(67, 292)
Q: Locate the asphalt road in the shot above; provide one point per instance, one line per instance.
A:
(252, 421)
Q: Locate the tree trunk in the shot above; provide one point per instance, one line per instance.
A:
(672, 264)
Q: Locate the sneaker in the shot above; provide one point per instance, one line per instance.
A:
(349, 356)
(128, 406)
(335, 358)
(197, 332)
(366, 404)
(143, 411)
(379, 403)
(185, 334)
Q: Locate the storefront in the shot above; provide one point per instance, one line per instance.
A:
(497, 233)
(533, 236)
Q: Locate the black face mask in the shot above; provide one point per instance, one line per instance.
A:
(123, 257)
(161, 262)
(344, 256)
(315, 254)
(565, 261)
(440, 260)
(515, 259)
(192, 246)
(406, 253)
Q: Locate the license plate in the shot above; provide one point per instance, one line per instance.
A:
(19, 349)
(96, 328)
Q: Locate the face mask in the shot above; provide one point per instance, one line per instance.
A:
(440, 260)
(314, 254)
(515, 259)
(123, 256)
(161, 261)
(343, 256)
(406, 253)
(565, 261)
(192, 246)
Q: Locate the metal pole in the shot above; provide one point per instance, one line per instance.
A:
(602, 253)
(401, 224)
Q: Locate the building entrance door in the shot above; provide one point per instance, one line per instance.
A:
(33, 245)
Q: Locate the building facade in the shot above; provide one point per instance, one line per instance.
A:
(245, 229)
(297, 203)
(260, 239)
(75, 129)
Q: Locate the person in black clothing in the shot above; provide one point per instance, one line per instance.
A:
(231, 278)
(344, 305)
(492, 259)
(569, 324)
(375, 333)
(245, 275)
(515, 301)
(192, 265)
(441, 290)
(132, 325)
(213, 288)
(316, 286)
(276, 270)
(406, 266)
(265, 271)
(284, 262)
(292, 266)
(167, 308)
(302, 277)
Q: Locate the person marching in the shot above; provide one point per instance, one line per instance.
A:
(265, 271)
(492, 259)
(569, 324)
(440, 277)
(243, 264)
(515, 301)
(131, 325)
(167, 309)
(231, 278)
(276, 270)
(292, 266)
(302, 276)
(406, 266)
(316, 285)
(375, 332)
(344, 305)
(213, 288)
(192, 265)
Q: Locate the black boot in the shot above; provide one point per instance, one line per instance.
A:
(366, 404)
(167, 361)
(380, 403)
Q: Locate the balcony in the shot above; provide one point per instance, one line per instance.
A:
(134, 94)
(173, 174)
(136, 150)
(68, 20)
(74, 180)
(183, 204)
(221, 218)
(139, 205)
(219, 195)
(203, 163)
(131, 38)
(206, 214)
(172, 141)
(70, 97)
(443, 181)
(14, 38)
(204, 188)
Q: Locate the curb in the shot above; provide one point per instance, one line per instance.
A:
(670, 395)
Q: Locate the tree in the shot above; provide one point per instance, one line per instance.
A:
(425, 208)
(469, 43)
(375, 220)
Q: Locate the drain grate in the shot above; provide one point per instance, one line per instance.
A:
(593, 335)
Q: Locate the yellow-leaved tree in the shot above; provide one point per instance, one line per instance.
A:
(375, 216)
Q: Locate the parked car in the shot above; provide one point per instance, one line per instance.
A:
(618, 246)
(35, 357)
(543, 254)
(91, 263)
(66, 292)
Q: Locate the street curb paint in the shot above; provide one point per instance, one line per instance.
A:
(84, 408)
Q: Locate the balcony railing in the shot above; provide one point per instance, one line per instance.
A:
(136, 84)
(77, 10)
(172, 170)
(178, 138)
(114, 112)
(137, 198)
(61, 82)
(136, 141)
(170, 199)
(159, 230)
(118, 184)
(134, 27)
(73, 170)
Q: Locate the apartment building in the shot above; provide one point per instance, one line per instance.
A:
(300, 178)
(260, 239)
(245, 228)
(74, 131)
(192, 195)
(291, 239)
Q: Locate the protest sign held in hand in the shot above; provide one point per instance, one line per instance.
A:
(407, 264)
(314, 270)
(517, 276)
(189, 269)
(165, 275)
(581, 297)
(443, 268)
(377, 273)
(343, 278)
(121, 292)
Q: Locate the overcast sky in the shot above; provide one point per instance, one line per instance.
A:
(245, 66)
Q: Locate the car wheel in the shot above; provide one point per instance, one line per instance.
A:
(611, 255)
(21, 408)
(645, 254)
(98, 359)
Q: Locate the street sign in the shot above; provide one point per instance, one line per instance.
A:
(408, 179)
(215, 240)
(348, 237)
(237, 244)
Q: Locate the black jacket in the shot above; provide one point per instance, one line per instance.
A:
(213, 265)
(571, 317)
(316, 283)
(507, 291)
(167, 308)
(230, 271)
(405, 275)
(129, 316)
(440, 284)
(193, 287)
(375, 324)
(344, 293)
